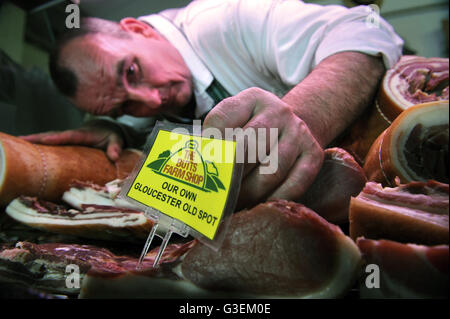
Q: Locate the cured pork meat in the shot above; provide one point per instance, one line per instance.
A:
(47, 171)
(277, 249)
(45, 266)
(405, 270)
(413, 80)
(11, 231)
(413, 148)
(416, 212)
(92, 221)
(340, 178)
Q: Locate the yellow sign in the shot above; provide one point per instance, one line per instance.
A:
(188, 178)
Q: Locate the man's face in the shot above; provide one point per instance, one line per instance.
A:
(139, 76)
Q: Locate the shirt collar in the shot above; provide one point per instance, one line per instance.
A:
(201, 76)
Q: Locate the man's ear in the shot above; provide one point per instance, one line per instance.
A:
(139, 27)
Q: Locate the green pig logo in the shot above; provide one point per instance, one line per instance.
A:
(187, 166)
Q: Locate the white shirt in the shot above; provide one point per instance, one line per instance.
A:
(271, 44)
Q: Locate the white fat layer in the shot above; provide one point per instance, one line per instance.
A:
(76, 198)
(113, 188)
(428, 117)
(395, 87)
(440, 220)
(28, 216)
(424, 206)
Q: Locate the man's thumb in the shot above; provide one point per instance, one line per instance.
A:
(114, 149)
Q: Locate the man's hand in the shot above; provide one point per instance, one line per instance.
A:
(308, 118)
(299, 154)
(92, 134)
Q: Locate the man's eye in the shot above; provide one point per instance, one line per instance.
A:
(132, 73)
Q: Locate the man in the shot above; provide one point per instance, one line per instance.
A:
(305, 69)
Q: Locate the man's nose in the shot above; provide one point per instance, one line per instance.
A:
(146, 95)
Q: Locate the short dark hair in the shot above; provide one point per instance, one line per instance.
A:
(65, 78)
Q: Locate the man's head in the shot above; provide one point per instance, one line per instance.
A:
(114, 68)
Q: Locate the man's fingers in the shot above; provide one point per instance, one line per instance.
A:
(37, 138)
(82, 136)
(236, 111)
(58, 138)
(301, 175)
(292, 163)
(114, 148)
(73, 137)
(256, 187)
(262, 132)
(278, 163)
(288, 170)
(99, 138)
(245, 114)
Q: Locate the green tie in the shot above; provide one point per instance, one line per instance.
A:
(217, 92)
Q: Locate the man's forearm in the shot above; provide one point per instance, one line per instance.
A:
(335, 93)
